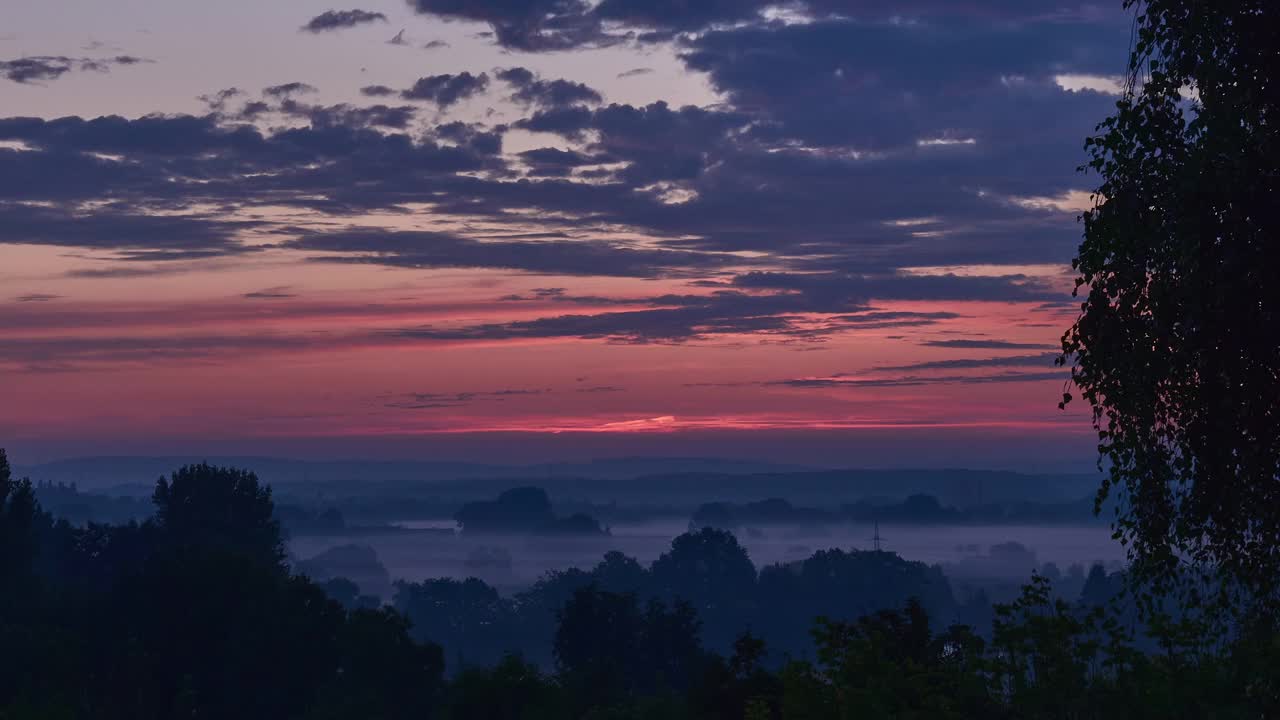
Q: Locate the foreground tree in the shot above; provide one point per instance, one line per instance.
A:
(1175, 347)
(711, 572)
(610, 650)
(19, 517)
(889, 665)
(202, 507)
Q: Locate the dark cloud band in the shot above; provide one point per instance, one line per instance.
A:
(341, 19)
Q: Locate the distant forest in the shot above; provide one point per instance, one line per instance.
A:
(355, 508)
(195, 612)
(475, 623)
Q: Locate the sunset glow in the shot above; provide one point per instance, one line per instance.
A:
(341, 244)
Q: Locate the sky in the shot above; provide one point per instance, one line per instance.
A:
(825, 232)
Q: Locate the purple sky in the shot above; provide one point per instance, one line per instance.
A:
(833, 232)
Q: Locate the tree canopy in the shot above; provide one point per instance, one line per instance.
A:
(1175, 346)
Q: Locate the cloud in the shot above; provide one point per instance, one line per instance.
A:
(637, 326)
(556, 162)
(339, 19)
(689, 136)
(271, 293)
(431, 400)
(560, 295)
(133, 237)
(128, 271)
(786, 316)
(171, 136)
(339, 166)
(177, 160)
(889, 84)
(898, 286)
(485, 141)
(659, 423)
(845, 382)
(669, 16)
(529, 25)
(125, 316)
(552, 25)
(830, 184)
(43, 68)
(397, 117)
(69, 352)
(532, 90)
(683, 318)
(816, 171)
(891, 319)
(400, 39)
(1038, 360)
(445, 90)
(288, 89)
(420, 249)
(567, 121)
(252, 109)
(217, 102)
(797, 211)
(95, 46)
(122, 332)
(977, 344)
(36, 297)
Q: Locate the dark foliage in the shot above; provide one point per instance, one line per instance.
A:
(1175, 346)
(708, 571)
(663, 653)
(523, 510)
(204, 507)
(190, 614)
(915, 509)
(193, 615)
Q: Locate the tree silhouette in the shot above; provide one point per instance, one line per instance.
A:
(609, 649)
(597, 645)
(1175, 348)
(19, 518)
(890, 665)
(620, 573)
(522, 509)
(513, 689)
(382, 673)
(709, 570)
(201, 507)
(469, 618)
(843, 586)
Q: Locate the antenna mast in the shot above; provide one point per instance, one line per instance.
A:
(876, 540)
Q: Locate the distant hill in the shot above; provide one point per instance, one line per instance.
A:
(123, 472)
(822, 488)
(141, 472)
(651, 481)
(626, 468)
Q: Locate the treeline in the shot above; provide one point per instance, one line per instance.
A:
(706, 570)
(194, 613)
(65, 500)
(919, 509)
(523, 510)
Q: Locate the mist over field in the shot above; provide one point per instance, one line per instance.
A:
(965, 552)
(982, 528)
